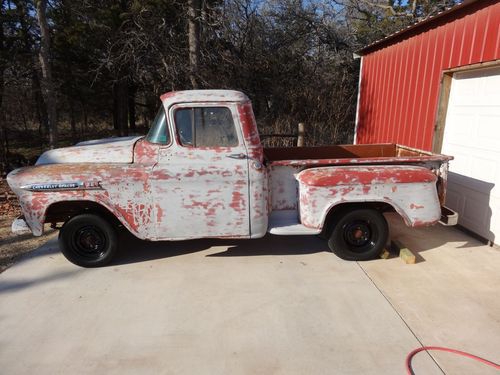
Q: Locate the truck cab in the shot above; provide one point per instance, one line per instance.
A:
(209, 171)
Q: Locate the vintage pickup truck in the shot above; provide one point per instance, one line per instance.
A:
(202, 172)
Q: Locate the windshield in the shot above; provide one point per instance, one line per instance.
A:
(159, 132)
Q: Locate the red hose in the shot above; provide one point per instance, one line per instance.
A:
(409, 370)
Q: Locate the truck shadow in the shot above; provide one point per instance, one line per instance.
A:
(268, 245)
(272, 245)
(134, 250)
(418, 240)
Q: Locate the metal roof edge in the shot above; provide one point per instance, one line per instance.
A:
(382, 42)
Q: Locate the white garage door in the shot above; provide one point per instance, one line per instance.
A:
(472, 136)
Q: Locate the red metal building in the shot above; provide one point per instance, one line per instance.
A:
(401, 75)
(436, 86)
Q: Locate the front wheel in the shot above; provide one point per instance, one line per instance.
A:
(88, 240)
(359, 234)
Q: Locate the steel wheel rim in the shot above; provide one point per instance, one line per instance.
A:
(359, 235)
(89, 242)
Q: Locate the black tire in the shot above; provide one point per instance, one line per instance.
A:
(358, 234)
(88, 240)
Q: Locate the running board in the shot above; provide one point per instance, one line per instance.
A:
(286, 223)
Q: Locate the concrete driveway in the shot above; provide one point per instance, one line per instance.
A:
(279, 305)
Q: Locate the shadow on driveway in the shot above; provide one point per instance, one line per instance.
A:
(15, 285)
(135, 250)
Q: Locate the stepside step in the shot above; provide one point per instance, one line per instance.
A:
(286, 223)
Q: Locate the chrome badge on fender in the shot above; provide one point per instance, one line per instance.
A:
(57, 186)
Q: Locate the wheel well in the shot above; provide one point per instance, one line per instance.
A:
(60, 212)
(330, 216)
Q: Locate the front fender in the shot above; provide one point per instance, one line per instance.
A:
(122, 189)
(36, 206)
(410, 190)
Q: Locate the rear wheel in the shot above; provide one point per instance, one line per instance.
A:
(88, 240)
(358, 234)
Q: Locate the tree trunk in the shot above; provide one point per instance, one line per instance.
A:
(115, 107)
(85, 119)
(131, 108)
(194, 41)
(151, 106)
(3, 141)
(23, 116)
(41, 109)
(120, 104)
(70, 91)
(47, 82)
(72, 119)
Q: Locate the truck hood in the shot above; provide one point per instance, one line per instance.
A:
(108, 150)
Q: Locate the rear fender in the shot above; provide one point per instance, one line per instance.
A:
(410, 190)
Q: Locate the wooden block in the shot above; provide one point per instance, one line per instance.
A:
(404, 253)
(407, 256)
(385, 254)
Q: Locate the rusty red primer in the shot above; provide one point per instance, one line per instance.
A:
(335, 176)
(167, 95)
(145, 152)
(410, 190)
(250, 132)
(125, 191)
(238, 201)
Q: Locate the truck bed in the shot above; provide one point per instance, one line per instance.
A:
(284, 163)
(389, 153)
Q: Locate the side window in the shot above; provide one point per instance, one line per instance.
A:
(158, 133)
(205, 127)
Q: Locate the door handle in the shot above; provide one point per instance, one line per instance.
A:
(237, 156)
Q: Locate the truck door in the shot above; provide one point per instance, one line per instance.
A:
(200, 183)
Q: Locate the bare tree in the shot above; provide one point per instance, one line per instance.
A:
(3, 148)
(194, 41)
(47, 81)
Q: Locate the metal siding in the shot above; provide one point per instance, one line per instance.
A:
(389, 96)
(411, 92)
(403, 82)
(382, 98)
(420, 81)
(474, 39)
(491, 43)
(371, 98)
(400, 82)
(456, 52)
(431, 97)
(378, 104)
(396, 98)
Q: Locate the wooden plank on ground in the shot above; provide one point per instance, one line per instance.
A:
(385, 254)
(404, 253)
